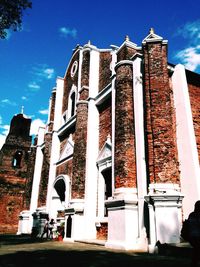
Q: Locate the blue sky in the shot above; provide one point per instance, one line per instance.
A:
(30, 60)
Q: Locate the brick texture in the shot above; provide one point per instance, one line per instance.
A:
(161, 138)
(105, 122)
(79, 156)
(125, 166)
(104, 70)
(15, 179)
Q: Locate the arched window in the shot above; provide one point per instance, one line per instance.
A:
(17, 159)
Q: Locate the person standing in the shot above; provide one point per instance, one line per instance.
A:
(51, 226)
(194, 233)
(45, 230)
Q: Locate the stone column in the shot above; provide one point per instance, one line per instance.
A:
(77, 202)
(162, 157)
(123, 209)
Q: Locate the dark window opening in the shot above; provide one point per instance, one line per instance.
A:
(17, 159)
(107, 174)
(73, 106)
(60, 189)
(108, 182)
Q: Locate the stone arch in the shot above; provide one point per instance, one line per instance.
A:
(60, 195)
(61, 187)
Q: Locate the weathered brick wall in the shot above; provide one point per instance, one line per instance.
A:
(80, 135)
(53, 99)
(69, 81)
(29, 180)
(159, 117)
(85, 71)
(11, 198)
(104, 69)
(194, 93)
(64, 168)
(79, 156)
(15, 180)
(125, 53)
(105, 122)
(125, 164)
(45, 170)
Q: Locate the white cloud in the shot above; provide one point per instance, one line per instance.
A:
(5, 129)
(44, 111)
(48, 73)
(1, 119)
(44, 72)
(190, 55)
(191, 31)
(6, 101)
(65, 32)
(34, 86)
(35, 124)
(24, 98)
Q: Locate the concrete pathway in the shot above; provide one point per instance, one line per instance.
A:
(22, 251)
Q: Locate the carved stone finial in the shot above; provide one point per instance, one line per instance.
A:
(127, 38)
(89, 42)
(151, 30)
(22, 110)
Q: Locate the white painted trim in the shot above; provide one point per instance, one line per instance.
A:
(186, 141)
(80, 71)
(58, 104)
(92, 149)
(129, 44)
(55, 149)
(37, 170)
(139, 140)
(67, 182)
(70, 123)
(123, 62)
(103, 95)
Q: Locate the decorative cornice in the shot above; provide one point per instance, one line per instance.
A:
(123, 62)
(152, 37)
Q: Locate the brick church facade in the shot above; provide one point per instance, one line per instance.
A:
(118, 159)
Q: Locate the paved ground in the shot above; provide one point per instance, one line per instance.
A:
(25, 252)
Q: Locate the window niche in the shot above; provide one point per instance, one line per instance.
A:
(16, 162)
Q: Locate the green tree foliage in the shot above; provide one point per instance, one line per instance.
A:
(11, 12)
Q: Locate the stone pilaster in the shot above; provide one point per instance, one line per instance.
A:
(125, 166)
(160, 116)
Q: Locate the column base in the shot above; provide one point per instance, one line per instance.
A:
(165, 202)
(124, 231)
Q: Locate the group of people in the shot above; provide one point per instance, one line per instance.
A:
(48, 229)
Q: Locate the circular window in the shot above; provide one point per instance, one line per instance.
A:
(74, 68)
